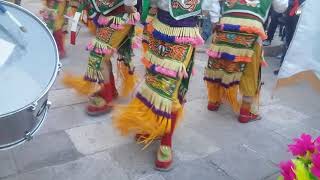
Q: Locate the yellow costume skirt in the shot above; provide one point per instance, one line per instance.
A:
(168, 69)
(107, 42)
(228, 80)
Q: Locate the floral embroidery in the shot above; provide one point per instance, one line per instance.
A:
(168, 50)
(252, 3)
(105, 34)
(108, 3)
(240, 40)
(188, 5)
(163, 85)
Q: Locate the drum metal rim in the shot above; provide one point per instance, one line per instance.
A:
(57, 65)
(30, 134)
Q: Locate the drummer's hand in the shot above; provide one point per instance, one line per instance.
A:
(153, 11)
(130, 9)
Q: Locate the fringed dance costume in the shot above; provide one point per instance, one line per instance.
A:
(53, 15)
(169, 46)
(115, 32)
(236, 56)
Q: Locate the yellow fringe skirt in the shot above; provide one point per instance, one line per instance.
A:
(98, 70)
(228, 81)
(161, 94)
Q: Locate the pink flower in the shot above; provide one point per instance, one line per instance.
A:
(302, 145)
(315, 169)
(287, 170)
(317, 143)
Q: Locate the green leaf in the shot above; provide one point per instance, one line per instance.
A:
(301, 170)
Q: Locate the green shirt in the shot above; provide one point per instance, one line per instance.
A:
(258, 8)
(181, 9)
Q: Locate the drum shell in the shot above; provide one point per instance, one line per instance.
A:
(21, 126)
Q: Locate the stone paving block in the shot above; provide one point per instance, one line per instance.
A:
(68, 117)
(268, 144)
(45, 150)
(190, 145)
(7, 164)
(60, 119)
(300, 97)
(272, 176)
(95, 137)
(266, 98)
(196, 112)
(220, 130)
(264, 124)
(40, 174)
(134, 160)
(10, 178)
(313, 122)
(99, 166)
(282, 115)
(196, 170)
(46, 173)
(193, 92)
(32, 6)
(154, 176)
(295, 130)
(242, 163)
(65, 97)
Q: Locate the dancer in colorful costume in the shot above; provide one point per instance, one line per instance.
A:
(169, 49)
(236, 56)
(114, 20)
(53, 15)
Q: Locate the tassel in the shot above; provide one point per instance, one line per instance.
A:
(128, 79)
(137, 118)
(137, 39)
(133, 18)
(216, 93)
(103, 20)
(80, 85)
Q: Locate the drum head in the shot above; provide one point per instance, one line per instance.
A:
(28, 61)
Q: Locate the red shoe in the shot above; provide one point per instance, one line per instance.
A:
(246, 116)
(214, 106)
(99, 103)
(164, 158)
(96, 111)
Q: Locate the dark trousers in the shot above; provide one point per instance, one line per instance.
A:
(291, 24)
(273, 24)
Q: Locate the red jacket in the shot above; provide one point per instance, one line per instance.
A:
(295, 7)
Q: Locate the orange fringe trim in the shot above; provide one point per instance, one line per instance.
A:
(254, 30)
(218, 93)
(80, 85)
(128, 81)
(137, 118)
(92, 27)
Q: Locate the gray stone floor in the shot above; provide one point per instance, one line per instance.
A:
(208, 145)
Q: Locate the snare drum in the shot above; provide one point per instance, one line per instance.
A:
(29, 63)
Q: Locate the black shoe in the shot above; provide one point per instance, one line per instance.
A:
(276, 72)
